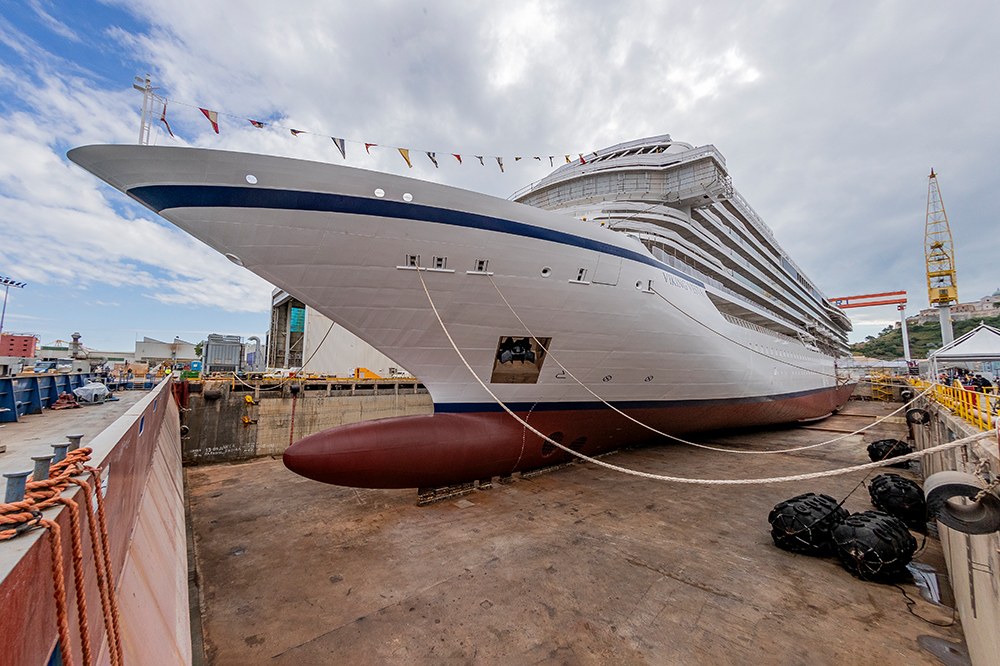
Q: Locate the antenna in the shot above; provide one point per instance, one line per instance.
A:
(151, 105)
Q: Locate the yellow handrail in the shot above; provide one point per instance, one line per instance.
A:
(979, 409)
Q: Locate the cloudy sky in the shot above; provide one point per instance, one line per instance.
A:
(830, 116)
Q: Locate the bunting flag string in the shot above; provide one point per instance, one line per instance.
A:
(213, 117)
(163, 118)
(340, 146)
(341, 143)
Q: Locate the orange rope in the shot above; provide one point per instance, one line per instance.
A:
(26, 514)
(106, 552)
(78, 580)
(95, 545)
(59, 590)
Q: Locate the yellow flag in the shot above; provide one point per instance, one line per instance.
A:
(567, 159)
(406, 156)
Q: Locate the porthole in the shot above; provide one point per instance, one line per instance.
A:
(407, 197)
(548, 448)
(233, 258)
(252, 179)
(379, 192)
(638, 284)
(546, 271)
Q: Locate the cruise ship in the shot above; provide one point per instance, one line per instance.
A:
(629, 293)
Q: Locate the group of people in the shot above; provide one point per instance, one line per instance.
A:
(966, 379)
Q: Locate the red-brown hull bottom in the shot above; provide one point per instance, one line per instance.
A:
(448, 448)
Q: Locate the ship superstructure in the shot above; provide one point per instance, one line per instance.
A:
(679, 201)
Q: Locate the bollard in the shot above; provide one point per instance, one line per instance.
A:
(60, 452)
(74, 441)
(41, 467)
(15, 486)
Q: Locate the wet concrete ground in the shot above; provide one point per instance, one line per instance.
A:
(579, 566)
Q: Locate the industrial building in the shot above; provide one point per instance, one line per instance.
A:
(302, 338)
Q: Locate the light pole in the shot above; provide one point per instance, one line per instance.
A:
(7, 284)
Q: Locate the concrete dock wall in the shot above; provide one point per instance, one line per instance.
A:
(138, 454)
(222, 424)
(973, 559)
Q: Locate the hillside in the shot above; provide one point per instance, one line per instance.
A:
(889, 343)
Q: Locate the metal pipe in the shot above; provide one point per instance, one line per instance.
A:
(15, 486)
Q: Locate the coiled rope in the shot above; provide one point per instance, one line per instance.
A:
(678, 479)
(680, 439)
(19, 517)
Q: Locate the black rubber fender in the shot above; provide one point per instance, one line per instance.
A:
(907, 395)
(803, 524)
(874, 546)
(918, 416)
(885, 449)
(899, 497)
(982, 517)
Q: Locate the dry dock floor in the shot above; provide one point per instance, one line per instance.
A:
(579, 566)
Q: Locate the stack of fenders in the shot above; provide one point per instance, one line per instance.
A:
(873, 545)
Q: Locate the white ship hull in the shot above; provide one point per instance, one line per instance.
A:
(635, 331)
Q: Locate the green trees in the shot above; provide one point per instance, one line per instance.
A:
(923, 339)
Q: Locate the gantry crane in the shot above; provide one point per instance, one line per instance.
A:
(942, 285)
(897, 298)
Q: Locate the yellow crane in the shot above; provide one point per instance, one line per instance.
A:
(939, 250)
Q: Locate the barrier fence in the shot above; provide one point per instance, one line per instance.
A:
(979, 409)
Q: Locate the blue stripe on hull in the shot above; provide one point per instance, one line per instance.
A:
(163, 197)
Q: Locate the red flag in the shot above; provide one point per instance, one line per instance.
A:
(457, 157)
(369, 145)
(163, 118)
(213, 117)
(257, 124)
(581, 158)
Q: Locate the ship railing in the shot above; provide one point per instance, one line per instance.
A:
(647, 159)
(979, 409)
(760, 329)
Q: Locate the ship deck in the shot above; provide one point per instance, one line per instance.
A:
(582, 565)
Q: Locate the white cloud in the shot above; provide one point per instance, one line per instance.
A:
(829, 115)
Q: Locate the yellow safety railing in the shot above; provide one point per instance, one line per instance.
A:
(979, 409)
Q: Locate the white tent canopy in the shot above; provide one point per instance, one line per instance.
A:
(980, 344)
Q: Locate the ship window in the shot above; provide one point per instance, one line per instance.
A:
(412, 260)
(440, 262)
(481, 265)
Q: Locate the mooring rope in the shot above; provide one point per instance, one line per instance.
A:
(680, 439)
(21, 516)
(678, 479)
